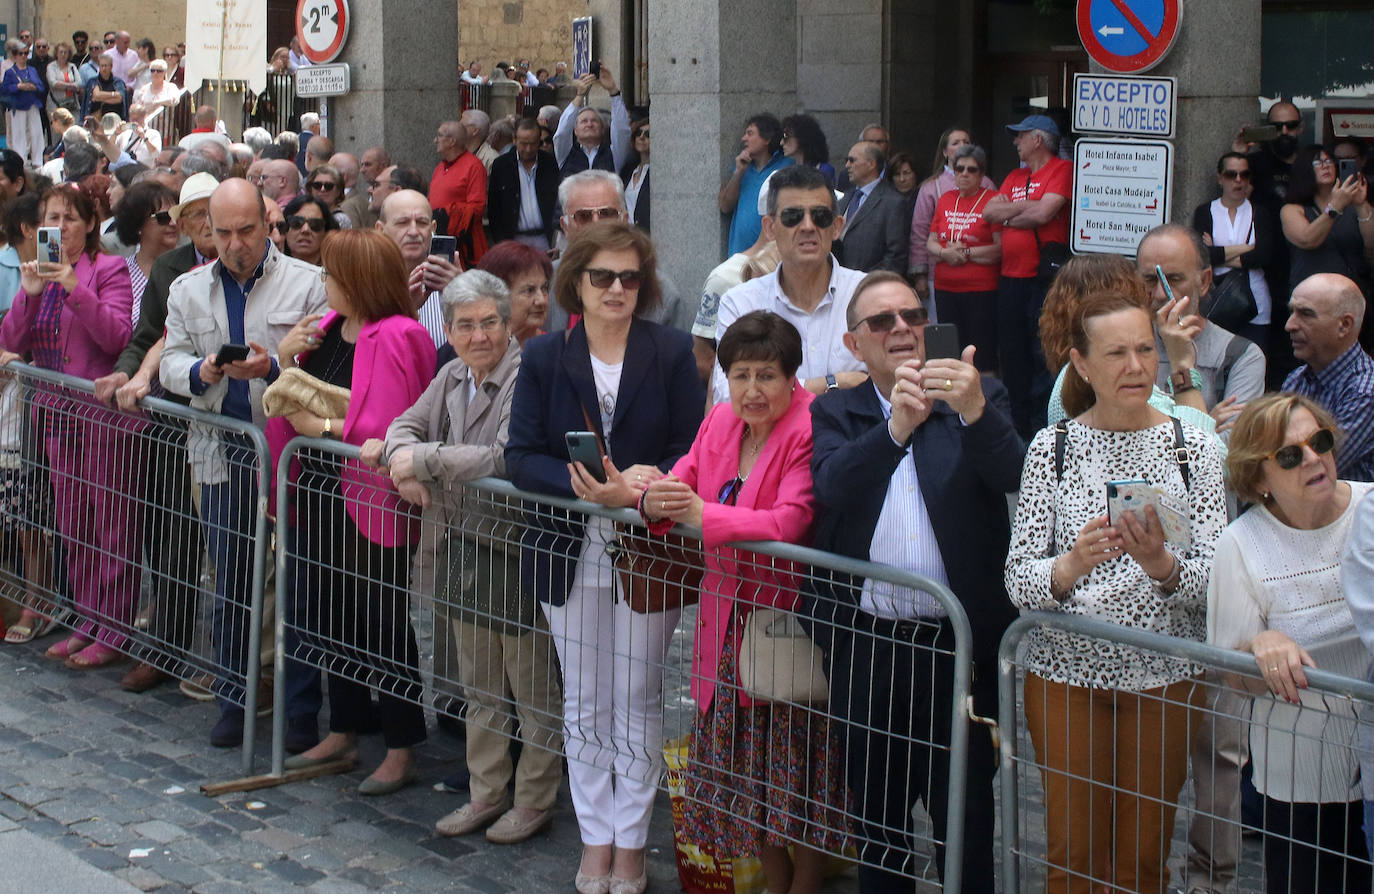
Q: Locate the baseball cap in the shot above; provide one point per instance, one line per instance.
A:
(1035, 122)
(197, 186)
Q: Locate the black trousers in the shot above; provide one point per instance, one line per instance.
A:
(975, 313)
(1315, 847)
(892, 682)
(353, 605)
(1024, 372)
(173, 542)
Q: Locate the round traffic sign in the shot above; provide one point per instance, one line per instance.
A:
(1128, 36)
(322, 27)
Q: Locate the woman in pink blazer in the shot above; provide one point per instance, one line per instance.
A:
(351, 535)
(761, 775)
(75, 316)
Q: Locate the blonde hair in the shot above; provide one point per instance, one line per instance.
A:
(1259, 431)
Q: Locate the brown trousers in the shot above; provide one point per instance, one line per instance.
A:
(1112, 764)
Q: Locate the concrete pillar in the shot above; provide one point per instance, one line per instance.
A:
(712, 64)
(505, 97)
(404, 79)
(1217, 62)
(840, 68)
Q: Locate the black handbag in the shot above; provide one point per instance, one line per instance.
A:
(1053, 255)
(1231, 302)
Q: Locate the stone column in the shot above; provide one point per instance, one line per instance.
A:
(404, 79)
(712, 64)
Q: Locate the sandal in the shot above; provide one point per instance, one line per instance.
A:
(37, 626)
(68, 647)
(93, 656)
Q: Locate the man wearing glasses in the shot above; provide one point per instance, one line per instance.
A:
(1272, 162)
(281, 181)
(809, 288)
(911, 469)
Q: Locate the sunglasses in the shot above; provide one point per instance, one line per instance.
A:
(323, 186)
(729, 493)
(966, 169)
(1288, 125)
(295, 222)
(821, 216)
(887, 321)
(1236, 175)
(110, 42)
(162, 217)
(602, 279)
(280, 226)
(1289, 456)
(587, 215)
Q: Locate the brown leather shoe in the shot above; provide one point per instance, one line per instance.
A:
(142, 678)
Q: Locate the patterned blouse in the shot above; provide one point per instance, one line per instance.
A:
(1049, 517)
(47, 328)
(140, 284)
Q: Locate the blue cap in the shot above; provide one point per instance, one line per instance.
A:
(1035, 122)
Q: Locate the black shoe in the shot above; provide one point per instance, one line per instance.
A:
(228, 732)
(452, 726)
(302, 733)
(455, 782)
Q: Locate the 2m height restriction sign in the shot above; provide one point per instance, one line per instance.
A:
(1128, 36)
(322, 26)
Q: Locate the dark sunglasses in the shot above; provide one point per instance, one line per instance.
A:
(587, 215)
(887, 321)
(323, 185)
(966, 169)
(729, 492)
(1289, 456)
(110, 42)
(295, 222)
(821, 216)
(602, 279)
(1236, 175)
(1287, 125)
(162, 217)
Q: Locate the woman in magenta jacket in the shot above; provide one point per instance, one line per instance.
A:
(351, 535)
(75, 316)
(761, 775)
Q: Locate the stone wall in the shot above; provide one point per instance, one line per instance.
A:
(164, 21)
(509, 30)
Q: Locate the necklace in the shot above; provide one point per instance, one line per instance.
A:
(749, 450)
(957, 235)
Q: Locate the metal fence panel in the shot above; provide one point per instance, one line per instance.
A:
(458, 616)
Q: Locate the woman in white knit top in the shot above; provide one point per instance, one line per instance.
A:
(1276, 592)
(1109, 724)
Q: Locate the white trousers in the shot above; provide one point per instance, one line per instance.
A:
(612, 699)
(25, 131)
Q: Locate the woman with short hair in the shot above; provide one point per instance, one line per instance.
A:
(527, 273)
(967, 255)
(144, 221)
(308, 221)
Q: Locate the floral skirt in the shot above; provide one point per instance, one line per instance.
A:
(770, 774)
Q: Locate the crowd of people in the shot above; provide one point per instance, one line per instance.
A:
(458, 323)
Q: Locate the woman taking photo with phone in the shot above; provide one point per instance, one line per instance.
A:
(633, 386)
(1328, 222)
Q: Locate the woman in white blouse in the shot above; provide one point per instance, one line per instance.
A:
(1110, 724)
(635, 173)
(1276, 592)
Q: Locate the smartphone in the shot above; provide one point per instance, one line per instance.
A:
(942, 342)
(443, 246)
(1164, 281)
(1134, 495)
(1347, 168)
(1259, 133)
(231, 353)
(50, 244)
(595, 70)
(582, 449)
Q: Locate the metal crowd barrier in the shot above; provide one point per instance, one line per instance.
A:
(105, 537)
(474, 96)
(359, 613)
(286, 107)
(1223, 717)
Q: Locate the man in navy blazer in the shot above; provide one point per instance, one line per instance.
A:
(524, 168)
(911, 469)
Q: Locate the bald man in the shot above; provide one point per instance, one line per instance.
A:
(281, 181)
(407, 220)
(355, 203)
(1326, 313)
(252, 296)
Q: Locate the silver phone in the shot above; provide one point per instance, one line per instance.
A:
(50, 244)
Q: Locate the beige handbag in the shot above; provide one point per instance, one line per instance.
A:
(778, 662)
(296, 389)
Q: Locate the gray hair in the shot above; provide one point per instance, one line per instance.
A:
(14, 45)
(197, 162)
(1188, 234)
(80, 160)
(257, 138)
(472, 286)
(588, 178)
(309, 119)
(975, 152)
(242, 152)
(75, 134)
(548, 112)
(1048, 140)
(480, 120)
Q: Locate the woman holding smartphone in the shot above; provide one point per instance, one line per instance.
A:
(1328, 221)
(633, 384)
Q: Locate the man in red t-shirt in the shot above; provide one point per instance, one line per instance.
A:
(459, 187)
(1033, 208)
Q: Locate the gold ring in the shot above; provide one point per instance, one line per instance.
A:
(1274, 667)
(949, 384)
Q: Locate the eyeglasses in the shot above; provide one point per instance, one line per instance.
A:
(18, 53)
(280, 226)
(1322, 162)
(887, 321)
(466, 328)
(1289, 456)
(602, 279)
(1288, 125)
(1236, 175)
(296, 221)
(821, 216)
(162, 217)
(729, 492)
(850, 160)
(257, 178)
(322, 185)
(966, 169)
(587, 215)
(109, 41)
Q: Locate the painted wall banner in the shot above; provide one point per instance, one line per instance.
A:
(243, 26)
(322, 27)
(322, 80)
(582, 46)
(1128, 36)
(1122, 189)
(1129, 105)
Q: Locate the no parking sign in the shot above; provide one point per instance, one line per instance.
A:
(1128, 36)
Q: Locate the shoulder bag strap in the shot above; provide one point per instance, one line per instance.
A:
(1061, 440)
(1181, 454)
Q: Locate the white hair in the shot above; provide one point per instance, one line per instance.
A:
(589, 178)
(75, 134)
(309, 119)
(257, 138)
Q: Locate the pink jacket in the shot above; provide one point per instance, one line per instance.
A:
(392, 363)
(97, 318)
(774, 504)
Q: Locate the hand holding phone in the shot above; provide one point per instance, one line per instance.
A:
(50, 245)
(231, 353)
(583, 448)
(942, 341)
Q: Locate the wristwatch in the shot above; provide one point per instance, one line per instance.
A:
(1181, 380)
(1332, 212)
(830, 383)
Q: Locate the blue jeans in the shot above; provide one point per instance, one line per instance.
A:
(229, 515)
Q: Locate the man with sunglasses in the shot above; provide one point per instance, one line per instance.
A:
(911, 469)
(1327, 310)
(1271, 164)
(809, 289)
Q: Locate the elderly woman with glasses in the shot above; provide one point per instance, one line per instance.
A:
(1328, 222)
(967, 254)
(25, 94)
(633, 385)
(326, 184)
(1276, 593)
(307, 223)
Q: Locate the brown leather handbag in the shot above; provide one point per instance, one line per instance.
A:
(656, 574)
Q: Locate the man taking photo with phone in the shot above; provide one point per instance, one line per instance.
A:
(405, 217)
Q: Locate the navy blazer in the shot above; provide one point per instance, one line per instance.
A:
(657, 413)
(965, 473)
(503, 195)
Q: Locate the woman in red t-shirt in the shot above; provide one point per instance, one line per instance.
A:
(967, 252)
